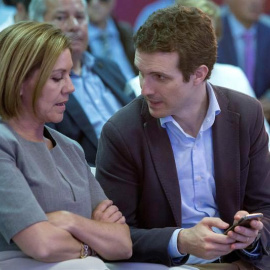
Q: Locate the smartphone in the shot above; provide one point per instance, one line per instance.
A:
(245, 221)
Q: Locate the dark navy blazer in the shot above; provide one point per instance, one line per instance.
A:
(227, 55)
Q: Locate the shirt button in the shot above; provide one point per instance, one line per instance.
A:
(198, 178)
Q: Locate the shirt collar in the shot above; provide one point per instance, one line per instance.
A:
(88, 61)
(110, 30)
(239, 29)
(213, 110)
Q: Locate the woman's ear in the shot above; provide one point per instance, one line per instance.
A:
(200, 74)
(22, 89)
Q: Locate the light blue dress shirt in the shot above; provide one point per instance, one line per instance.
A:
(195, 169)
(106, 43)
(97, 101)
(238, 31)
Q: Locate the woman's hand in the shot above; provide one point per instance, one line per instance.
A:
(107, 212)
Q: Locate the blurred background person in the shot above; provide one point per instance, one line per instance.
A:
(109, 38)
(20, 14)
(99, 82)
(52, 208)
(245, 43)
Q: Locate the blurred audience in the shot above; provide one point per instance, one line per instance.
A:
(148, 10)
(99, 82)
(20, 14)
(109, 38)
(245, 43)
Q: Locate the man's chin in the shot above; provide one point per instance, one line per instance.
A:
(77, 49)
(157, 114)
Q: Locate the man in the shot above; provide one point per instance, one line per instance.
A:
(186, 159)
(245, 43)
(109, 38)
(99, 83)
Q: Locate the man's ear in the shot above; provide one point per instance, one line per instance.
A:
(200, 74)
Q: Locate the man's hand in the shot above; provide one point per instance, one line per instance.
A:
(107, 212)
(202, 242)
(244, 236)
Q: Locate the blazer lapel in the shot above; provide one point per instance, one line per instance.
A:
(112, 80)
(163, 160)
(75, 111)
(226, 159)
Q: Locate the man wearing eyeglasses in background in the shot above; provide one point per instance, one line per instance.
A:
(110, 38)
(99, 83)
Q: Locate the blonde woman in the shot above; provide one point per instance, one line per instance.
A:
(52, 210)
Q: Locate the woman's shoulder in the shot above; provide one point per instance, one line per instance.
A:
(63, 141)
(6, 133)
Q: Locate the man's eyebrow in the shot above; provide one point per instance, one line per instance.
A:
(60, 11)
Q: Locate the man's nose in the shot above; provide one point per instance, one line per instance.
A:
(146, 88)
(72, 23)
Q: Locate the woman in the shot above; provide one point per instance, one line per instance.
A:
(51, 207)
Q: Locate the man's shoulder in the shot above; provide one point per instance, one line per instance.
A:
(131, 114)
(235, 100)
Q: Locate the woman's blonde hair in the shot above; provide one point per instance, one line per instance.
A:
(209, 8)
(24, 48)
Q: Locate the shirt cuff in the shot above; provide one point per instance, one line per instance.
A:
(172, 248)
(253, 253)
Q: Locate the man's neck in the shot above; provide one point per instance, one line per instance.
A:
(191, 120)
(77, 65)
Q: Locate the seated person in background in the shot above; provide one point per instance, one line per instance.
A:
(189, 158)
(20, 14)
(245, 43)
(98, 82)
(46, 187)
(222, 74)
(109, 38)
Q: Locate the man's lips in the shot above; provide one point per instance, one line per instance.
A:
(153, 102)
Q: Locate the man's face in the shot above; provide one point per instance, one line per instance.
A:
(247, 11)
(100, 10)
(71, 17)
(162, 84)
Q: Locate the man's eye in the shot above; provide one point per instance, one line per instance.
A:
(80, 18)
(60, 18)
(160, 77)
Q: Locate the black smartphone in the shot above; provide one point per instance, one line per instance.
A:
(245, 221)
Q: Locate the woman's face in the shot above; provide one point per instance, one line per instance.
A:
(50, 106)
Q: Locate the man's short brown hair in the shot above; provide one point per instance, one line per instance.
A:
(185, 30)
